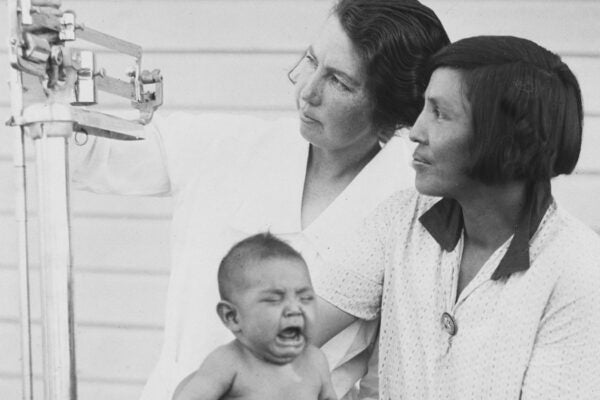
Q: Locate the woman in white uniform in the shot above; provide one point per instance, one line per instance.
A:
(310, 181)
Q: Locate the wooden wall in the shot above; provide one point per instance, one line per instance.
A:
(229, 55)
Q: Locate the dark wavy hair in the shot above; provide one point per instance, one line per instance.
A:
(526, 107)
(395, 38)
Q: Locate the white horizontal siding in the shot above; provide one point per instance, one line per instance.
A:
(273, 25)
(102, 298)
(117, 244)
(589, 159)
(10, 388)
(227, 55)
(103, 354)
(119, 359)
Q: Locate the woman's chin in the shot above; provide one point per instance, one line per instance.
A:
(427, 188)
(309, 133)
(422, 186)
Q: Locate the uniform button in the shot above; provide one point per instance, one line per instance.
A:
(449, 324)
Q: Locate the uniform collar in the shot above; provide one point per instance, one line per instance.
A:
(271, 198)
(444, 221)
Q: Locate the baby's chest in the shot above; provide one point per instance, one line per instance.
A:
(255, 384)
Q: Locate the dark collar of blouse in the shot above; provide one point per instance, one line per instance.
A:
(444, 222)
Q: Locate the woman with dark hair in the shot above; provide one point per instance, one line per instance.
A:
(487, 289)
(360, 80)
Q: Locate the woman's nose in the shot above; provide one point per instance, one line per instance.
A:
(310, 89)
(417, 133)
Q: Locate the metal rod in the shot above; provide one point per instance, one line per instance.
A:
(115, 86)
(21, 218)
(25, 294)
(107, 122)
(56, 268)
(108, 41)
(16, 97)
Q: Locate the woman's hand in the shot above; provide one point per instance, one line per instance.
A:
(331, 321)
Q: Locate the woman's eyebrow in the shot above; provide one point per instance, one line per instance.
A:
(431, 100)
(351, 80)
(440, 102)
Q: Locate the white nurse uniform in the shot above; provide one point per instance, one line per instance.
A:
(233, 176)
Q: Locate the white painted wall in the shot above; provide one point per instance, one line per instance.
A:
(229, 55)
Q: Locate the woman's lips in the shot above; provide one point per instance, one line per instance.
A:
(419, 162)
(420, 159)
(308, 119)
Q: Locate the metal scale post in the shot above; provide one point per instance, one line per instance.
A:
(38, 37)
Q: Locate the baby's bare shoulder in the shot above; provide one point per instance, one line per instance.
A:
(213, 379)
(226, 354)
(315, 354)
(314, 360)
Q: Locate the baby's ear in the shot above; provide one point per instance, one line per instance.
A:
(228, 313)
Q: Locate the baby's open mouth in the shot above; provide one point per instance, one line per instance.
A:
(290, 333)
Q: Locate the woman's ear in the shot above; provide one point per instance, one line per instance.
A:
(229, 314)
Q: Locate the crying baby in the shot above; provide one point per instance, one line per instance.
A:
(268, 303)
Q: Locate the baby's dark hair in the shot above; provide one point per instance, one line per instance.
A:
(258, 247)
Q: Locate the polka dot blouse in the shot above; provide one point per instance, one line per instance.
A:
(532, 335)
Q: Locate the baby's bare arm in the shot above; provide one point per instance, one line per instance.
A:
(212, 380)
